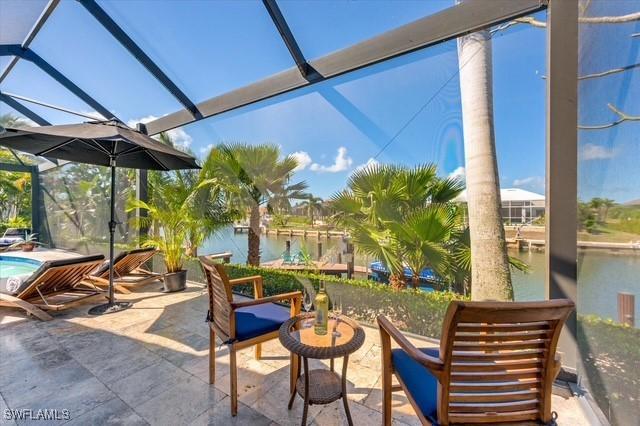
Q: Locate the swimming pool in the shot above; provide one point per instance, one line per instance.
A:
(11, 266)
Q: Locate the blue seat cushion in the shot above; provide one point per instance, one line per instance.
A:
(420, 383)
(253, 321)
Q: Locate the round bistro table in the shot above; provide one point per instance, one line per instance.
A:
(320, 386)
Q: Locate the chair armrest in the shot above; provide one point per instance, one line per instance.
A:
(258, 292)
(435, 365)
(245, 280)
(293, 296)
(557, 365)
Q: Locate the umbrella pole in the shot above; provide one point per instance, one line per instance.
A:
(112, 230)
(112, 306)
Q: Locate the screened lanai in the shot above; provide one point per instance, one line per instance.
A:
(340, 86)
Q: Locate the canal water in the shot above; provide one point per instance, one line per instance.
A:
(600, 275)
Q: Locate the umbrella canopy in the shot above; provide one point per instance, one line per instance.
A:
(96, 142)
(103, 143)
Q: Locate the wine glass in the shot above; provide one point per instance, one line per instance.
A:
(307, 304)
(337, 312)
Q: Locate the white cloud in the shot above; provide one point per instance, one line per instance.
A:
(458, 173)
(342, 163)
(596, 152)
(303, 158)
(531, 182)
(206, 149)
(180, 138)
(370, 162)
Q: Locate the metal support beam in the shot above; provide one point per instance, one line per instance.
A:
(562, 163)
(446, 25)
(30, 55)
(280, 22)
(23, 110)
(47, 105)
(36, 202)
(127, 42)
(48, 10)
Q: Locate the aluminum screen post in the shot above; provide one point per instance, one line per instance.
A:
(142, 193)
(562, 162)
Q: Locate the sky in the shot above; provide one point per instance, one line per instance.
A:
(404, 111)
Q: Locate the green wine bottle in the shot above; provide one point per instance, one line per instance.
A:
(321, 303)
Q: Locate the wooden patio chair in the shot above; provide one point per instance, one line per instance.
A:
(241, 324)
(496, 363)
(54, 286)
(127, 270)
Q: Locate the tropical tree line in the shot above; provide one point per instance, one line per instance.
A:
(15, 187)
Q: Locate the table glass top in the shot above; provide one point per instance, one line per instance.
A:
(307, 335)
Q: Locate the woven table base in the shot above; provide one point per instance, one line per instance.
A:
(324, 386)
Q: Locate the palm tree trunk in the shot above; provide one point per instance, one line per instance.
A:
(490, 274)
(253, 255)
(415, 280)
(397, 281)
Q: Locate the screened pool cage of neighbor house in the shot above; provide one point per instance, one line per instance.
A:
(67, 214)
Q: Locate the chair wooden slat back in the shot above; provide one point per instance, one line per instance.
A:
(220, 298)
(59, 278)
(497, 360)
(130, 263)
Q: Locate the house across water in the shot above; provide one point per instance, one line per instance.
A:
(518, 205)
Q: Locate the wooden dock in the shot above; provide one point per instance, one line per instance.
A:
(239, 229)
(536, 244)
(304, 233)
(318, 267)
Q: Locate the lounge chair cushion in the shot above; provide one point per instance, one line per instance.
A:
(253, 321)
(420, 383)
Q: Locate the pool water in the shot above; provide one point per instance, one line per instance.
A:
(16, 266)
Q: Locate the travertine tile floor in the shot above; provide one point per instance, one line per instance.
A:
(149, 365)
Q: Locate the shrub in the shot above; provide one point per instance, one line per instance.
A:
(610, 354)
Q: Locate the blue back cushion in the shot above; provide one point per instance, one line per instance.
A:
(420, 383)
(253, 321)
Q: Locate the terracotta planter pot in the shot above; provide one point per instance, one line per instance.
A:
(175, 281)
(28, 247)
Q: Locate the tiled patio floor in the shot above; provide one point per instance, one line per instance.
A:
(149, 365)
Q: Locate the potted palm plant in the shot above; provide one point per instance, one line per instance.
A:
(28, 244)
(169, 235)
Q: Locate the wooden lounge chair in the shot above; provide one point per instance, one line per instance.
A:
(241, 324)
(54, 286)
(127, 270)
(496, 363)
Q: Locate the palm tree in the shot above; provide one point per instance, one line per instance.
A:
(255, 176)
(425, 238)
(491, 277)
(399, 215)
(313, 204)
(596, 205)
(195, 196)
(607, 203)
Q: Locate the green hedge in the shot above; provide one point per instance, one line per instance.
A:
(413, 311)
(610, 354)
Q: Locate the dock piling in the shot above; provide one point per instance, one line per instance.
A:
(626, 309)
